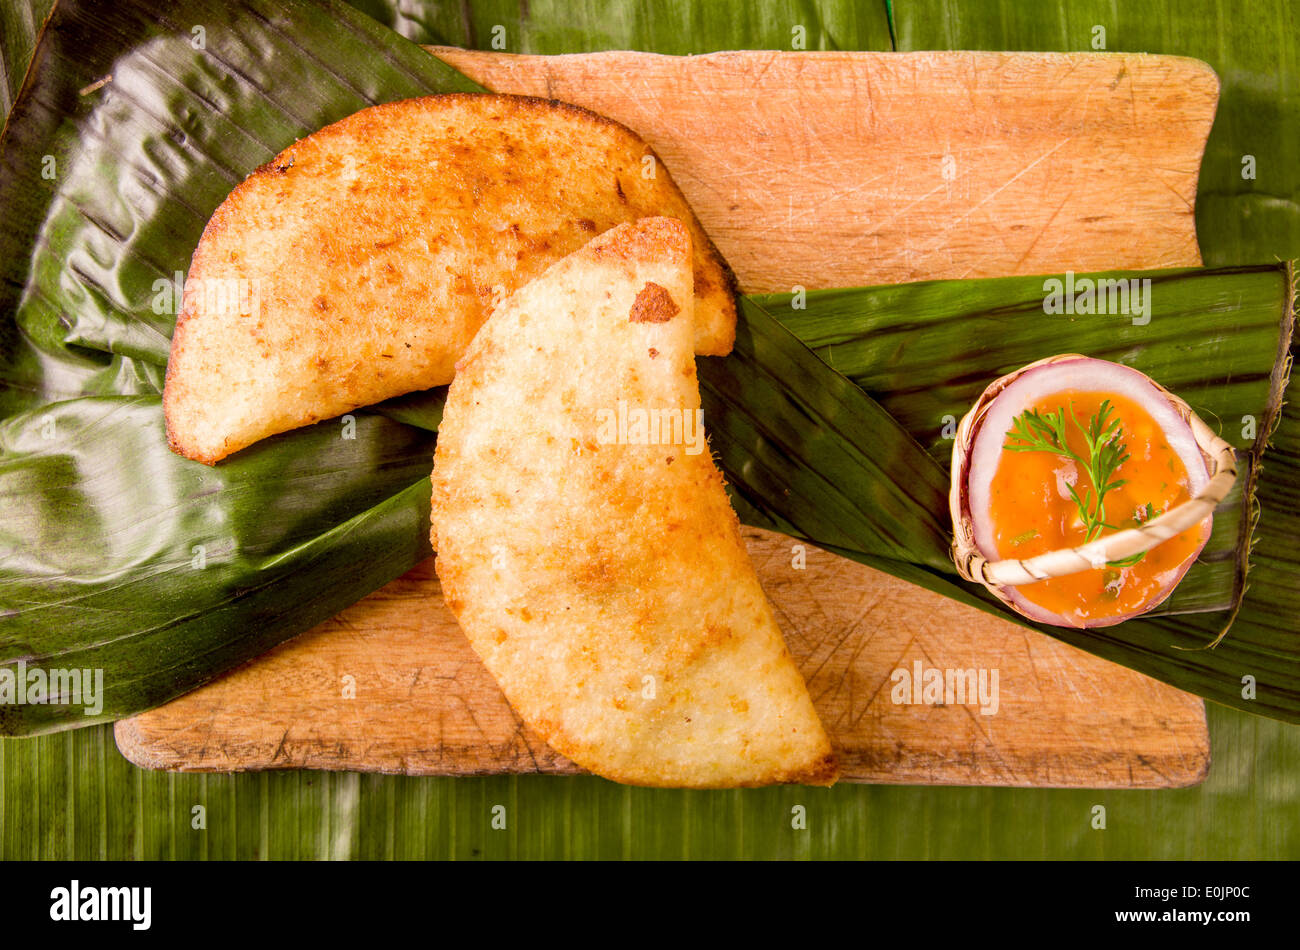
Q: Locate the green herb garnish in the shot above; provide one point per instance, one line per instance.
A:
(1140, 517)
(1022, 538)
(1046, 432)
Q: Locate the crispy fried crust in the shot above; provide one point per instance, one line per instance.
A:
(358, 264)
(602, 578)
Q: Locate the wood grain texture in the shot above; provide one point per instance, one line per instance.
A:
(849, 169)
(422, 702)
(817, 169)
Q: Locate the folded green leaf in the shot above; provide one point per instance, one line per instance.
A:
(812, 451)
(107, 187)
(814, 433)
(115, 553)
(104, 516)
(927, 350)
(118, 555)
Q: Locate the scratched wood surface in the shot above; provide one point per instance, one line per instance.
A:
(845, 169)
(392, 685)
(818, 170)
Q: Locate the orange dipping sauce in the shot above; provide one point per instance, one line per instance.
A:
(1032, 511)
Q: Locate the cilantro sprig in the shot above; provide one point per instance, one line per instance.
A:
(1034, 431)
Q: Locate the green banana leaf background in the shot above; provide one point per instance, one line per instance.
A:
(72, 795)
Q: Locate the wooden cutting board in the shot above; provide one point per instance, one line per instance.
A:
(845, 169)
(812, 170)
(392, 685)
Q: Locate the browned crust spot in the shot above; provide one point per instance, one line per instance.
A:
(653, 304)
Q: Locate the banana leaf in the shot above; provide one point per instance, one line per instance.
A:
(657, 26)
(926, 351)
(114, 553)
(20, 25)
(71, 795)
(20, 22)
(92, 328)
(784, 424)
(173, 131)
(119, 556)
